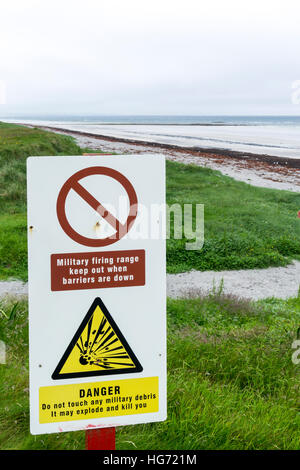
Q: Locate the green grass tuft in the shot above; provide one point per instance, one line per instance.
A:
(245, 227)
(231, 381)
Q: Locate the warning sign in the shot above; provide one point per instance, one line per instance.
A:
(97, 291)
(97, 348)
(98, 399)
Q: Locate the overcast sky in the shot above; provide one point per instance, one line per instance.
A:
(149, 56)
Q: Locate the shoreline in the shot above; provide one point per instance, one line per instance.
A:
(256, 170)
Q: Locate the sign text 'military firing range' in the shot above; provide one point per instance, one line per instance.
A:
(97, 297)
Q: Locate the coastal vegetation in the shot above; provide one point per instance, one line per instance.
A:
(231, 381)
(246, 227)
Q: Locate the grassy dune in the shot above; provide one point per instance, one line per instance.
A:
(246, 227)
(231, 381)
(16, 144)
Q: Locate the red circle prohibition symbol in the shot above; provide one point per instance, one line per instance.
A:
(73, 183)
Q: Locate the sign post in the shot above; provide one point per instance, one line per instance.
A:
(100, 439)
(97, 294)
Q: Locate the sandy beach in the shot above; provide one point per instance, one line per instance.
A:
(252, 284)
(258, 170)
(264, 171)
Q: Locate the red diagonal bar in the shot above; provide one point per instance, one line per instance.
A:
(96, 205)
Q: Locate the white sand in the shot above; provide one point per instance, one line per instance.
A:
(275, 140)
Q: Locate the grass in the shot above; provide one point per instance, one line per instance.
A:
(245, 227)
(16, 144)
(231, 381)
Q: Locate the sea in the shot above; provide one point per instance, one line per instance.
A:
(262, 135)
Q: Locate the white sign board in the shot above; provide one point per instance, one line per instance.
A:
(97, 291)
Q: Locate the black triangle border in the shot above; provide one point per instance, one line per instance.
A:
(97, 302)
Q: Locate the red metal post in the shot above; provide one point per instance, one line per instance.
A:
(100, 439)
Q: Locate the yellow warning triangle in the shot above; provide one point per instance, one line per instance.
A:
(97, 348)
